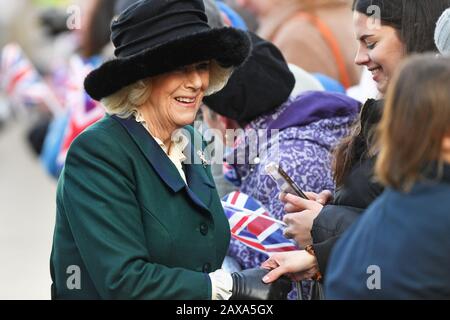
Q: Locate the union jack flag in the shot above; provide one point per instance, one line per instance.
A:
(83, 111)
(251, 224)
(22, 82)
(231, 174)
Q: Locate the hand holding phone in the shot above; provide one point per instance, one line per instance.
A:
(287, 185)
(284, 182)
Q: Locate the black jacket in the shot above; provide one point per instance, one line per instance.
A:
(353, 197)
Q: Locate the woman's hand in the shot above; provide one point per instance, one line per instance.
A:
(299, 224)
(297, 265)
(294, 203)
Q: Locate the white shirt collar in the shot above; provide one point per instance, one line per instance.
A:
(179, 143)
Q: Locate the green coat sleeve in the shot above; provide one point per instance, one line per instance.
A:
(105, 219)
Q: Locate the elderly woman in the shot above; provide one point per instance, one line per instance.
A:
(138, 216)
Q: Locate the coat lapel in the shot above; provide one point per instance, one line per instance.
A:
(200, 185)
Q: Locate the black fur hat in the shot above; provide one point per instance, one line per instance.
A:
(152, 37)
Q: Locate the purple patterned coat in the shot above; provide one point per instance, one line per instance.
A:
(309, 125)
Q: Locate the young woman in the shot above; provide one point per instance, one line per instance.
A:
(385, 36)
(400, 248)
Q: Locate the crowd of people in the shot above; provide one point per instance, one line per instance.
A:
(165, 107)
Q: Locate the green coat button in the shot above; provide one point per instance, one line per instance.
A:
(204, 229)
(207, 268)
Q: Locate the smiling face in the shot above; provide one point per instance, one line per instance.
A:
(175, 98)
(380, 49)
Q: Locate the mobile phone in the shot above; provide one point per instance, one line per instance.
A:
(284, 182)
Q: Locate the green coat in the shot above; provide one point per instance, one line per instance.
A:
(127, 226)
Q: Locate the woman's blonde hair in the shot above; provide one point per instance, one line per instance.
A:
(127, 101)
(416, 118)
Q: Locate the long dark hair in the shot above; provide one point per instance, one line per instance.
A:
(355, 147)
(415, 22)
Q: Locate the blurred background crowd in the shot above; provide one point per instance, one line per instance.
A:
(47, 47)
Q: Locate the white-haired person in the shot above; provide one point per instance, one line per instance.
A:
(138, 215)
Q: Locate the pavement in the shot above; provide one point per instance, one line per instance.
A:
(27, 216)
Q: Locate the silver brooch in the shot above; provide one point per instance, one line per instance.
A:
(203, 159)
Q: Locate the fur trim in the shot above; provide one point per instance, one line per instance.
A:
(229, 47)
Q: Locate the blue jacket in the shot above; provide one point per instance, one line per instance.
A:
(400, 248)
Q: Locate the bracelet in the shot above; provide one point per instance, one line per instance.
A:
(309, 248)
